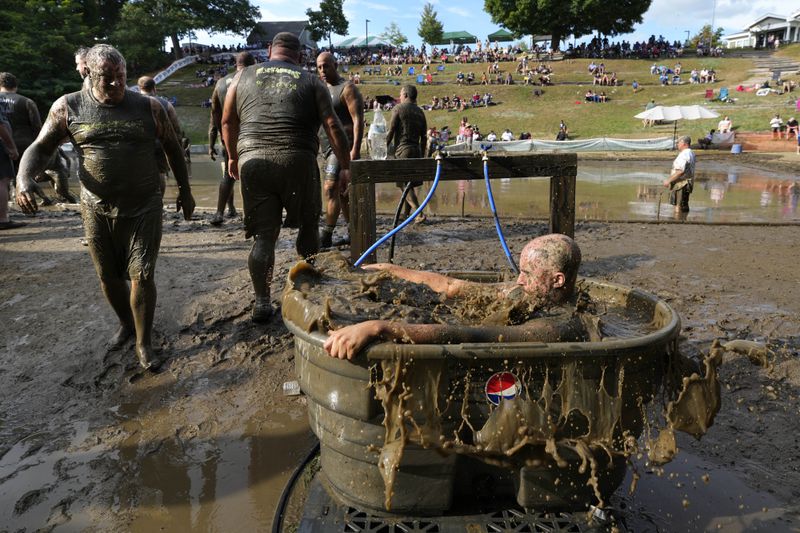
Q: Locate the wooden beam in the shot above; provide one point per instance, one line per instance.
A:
(464, 168)
(562, 170)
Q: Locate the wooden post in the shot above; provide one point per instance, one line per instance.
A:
(562, 205)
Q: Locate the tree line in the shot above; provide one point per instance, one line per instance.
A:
(40, 37)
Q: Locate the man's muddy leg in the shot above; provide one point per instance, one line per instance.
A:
(260, 263)
(224, 196)
(143, 306)
(118, 295)
(332, 209)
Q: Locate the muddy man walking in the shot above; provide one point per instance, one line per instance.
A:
(114, 131)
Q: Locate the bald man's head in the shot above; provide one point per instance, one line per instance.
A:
(326, 68)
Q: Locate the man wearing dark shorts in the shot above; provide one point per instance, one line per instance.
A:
(225, 194)
(8, 153)
(114, 131)
(409, 130)
(269, 124)
(349, 107)
(147, 86)
(681, 180)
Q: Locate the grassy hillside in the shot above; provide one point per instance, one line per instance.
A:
(518, 110)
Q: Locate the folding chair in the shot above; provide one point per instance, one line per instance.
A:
(420, 79)
(710, 94)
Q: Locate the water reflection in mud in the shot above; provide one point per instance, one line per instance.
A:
(607, 190)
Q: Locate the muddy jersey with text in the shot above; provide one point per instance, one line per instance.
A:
(276, 103)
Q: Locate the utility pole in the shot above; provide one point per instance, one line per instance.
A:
(366, 24)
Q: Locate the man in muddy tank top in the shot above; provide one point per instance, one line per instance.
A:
(269, 124)
(349, 107)
(225, 193)
(114, 131)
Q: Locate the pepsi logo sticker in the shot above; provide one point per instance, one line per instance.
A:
(502, 386)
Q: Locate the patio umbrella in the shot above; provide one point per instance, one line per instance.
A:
(676, 113)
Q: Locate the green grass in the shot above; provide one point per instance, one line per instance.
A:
(518, 110)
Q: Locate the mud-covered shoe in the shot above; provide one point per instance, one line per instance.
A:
(232, 213)
(325, 240)
(216, 220)
(342, 241)
(262, 310)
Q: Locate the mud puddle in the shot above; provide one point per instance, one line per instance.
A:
(691, 494)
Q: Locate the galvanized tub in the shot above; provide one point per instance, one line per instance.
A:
(437, 479)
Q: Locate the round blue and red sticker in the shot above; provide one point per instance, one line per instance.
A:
(502, 386)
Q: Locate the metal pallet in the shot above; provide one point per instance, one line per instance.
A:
(323, 514)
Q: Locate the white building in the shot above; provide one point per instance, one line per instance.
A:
(765, 31)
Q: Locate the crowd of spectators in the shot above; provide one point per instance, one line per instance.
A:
(672, 76)
(456, 102)
(601, 48)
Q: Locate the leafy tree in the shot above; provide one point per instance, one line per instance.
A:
(328, 20)
(140, 38)
(705, 37)
(393, 35)
(102, 16)
(430, 29)
(39, 39)
(178, 18)
(570, 17)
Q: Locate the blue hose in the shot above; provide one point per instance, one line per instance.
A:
(407, 221)
(494, 213)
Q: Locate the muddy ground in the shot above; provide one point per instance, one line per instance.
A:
(88, 442)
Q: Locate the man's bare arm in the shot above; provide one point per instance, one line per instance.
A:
(392, 127)
(355, 105)
(214, 124)
(347, 342)
(423, 137)
(34, 118)
(174, 152)
(37, 156)
(440, 283)
(230, 127)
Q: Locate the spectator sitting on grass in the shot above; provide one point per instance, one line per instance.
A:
(507, 135)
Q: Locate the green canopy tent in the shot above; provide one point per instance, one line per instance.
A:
(456, 37)
(501, 35)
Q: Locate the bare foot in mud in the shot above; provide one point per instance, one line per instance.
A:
(147, 358)
(120, 338)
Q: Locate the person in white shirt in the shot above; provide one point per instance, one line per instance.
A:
(507, 135)
(681, 180)
(725, 125)
(491, 137)
(776, 124)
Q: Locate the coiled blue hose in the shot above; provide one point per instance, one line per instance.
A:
(407, 221)
(494, 214)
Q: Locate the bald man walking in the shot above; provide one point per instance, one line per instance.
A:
(348, 105)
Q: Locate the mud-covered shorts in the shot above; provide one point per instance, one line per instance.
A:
(123, 247)
(680, 197)
(274, 182)
(408, 152)
(331, 169)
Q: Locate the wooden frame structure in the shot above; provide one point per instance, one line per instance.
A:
(562, 169)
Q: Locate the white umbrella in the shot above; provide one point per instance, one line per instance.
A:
(677, 112)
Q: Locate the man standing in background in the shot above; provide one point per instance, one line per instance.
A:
(349, 108)
(408, 129)
(225, 194)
